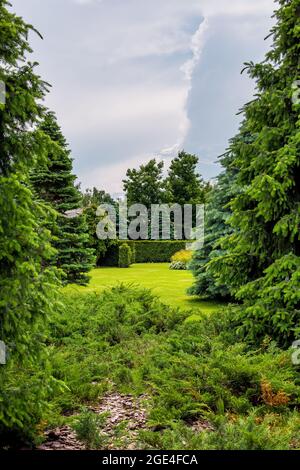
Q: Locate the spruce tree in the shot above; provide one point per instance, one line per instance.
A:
(217, 227)
(27, 283)
(262, 262)
(217, 213)
(55, 184)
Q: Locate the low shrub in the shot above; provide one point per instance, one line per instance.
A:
(178, 266)
(88, 426)
(183, 256)
(181, 259)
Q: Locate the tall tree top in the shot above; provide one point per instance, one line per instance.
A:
(54, 180)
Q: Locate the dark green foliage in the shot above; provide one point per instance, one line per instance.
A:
(183, 184)
(217, 214)
(275, 293)
(27, 283)
(75, 256)
(101, 248)
(125, 256)
(263, 252)
(153, 251)
(145, 185)
(111, 258)
(54, 182)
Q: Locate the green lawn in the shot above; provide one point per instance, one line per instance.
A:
(169, 285)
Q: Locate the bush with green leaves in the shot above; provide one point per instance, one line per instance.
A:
(125, 256)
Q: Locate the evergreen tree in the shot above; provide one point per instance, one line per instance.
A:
(183, 184)
(216, 227)
(262, 264)
(55, 184)
(27, 283)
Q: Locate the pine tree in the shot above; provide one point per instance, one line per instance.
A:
(55, 184)
(262, 263)
(27, 283)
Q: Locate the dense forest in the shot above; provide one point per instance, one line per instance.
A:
(222, 374)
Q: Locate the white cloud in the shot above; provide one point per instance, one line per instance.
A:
(124, 70)
(235, 7)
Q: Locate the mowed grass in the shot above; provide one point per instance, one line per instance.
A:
(169, 285)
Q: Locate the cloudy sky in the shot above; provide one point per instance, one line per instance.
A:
(133, 79)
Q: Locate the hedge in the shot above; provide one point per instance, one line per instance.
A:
(125, 256)
(111, 257)
(159, 251)
(149, 251)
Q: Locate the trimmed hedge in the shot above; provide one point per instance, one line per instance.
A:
(145, 251)
(160, 251)
(125, 256)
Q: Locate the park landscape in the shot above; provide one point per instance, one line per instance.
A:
(145, 344)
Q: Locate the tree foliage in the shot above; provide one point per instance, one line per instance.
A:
(261, 264)
(183, 184)
(27, 282)
(95, 197)
(145, 185)
(54, 182)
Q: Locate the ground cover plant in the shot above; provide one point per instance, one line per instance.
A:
(204, 388)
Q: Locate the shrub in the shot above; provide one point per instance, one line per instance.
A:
(88, 427)
(181, 259)
(125, 256)
(178, 266)
(184, 256)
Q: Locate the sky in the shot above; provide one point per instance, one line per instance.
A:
(137, 79)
